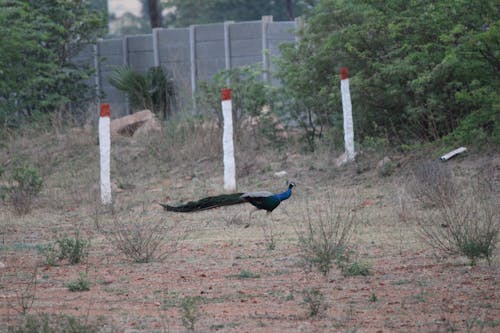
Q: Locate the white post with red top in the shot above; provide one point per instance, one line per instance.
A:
(105, 153)
(227, 142)
(347, 109)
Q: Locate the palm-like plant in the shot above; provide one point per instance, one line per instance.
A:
(153, 90)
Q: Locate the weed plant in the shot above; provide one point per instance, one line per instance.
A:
(27, 185)
(74, 249)
(55, 324)
(314, 300)
(464, 217)
(190, 311)
(353, 268)
(80, 284)
(324, 235)
(433, 184)
(143, 237)
(26, 295)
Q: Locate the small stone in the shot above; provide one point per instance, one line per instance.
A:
(108, 279)
(280, 174)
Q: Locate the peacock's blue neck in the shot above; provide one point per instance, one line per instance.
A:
(285, 195)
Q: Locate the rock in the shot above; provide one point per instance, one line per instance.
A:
(136, 124)
(383, 162)
(2, 265)
(280, 174)
(108, 279)
(342, 160)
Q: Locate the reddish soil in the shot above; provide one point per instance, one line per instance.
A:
(238, 282)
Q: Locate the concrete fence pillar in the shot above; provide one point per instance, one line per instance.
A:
(227, 45)
(125, 63)
(192, 56)
(265, 48)
(156, 48)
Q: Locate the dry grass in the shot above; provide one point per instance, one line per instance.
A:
(325, 233)
(144, 237)
(459, 217)
(414, 290)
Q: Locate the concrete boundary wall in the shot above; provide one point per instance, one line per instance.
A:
(189, 54)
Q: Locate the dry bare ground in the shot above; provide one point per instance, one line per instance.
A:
(217, 274)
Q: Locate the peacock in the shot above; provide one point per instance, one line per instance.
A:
(262, 200)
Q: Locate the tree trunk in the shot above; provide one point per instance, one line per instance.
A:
(154, 14)
(289, 9)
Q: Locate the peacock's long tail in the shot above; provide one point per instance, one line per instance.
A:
(207, 203)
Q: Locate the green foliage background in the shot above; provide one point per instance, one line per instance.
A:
(189, 12)
(248, 94)
(419, 70)
(37, 41)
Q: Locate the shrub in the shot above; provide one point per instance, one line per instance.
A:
(153, 90)
(74, 249)
(248, 94)
(49, 253)
(143, 238)
(27, 185)
(463, 222)
(386, 168)
(81, 284)
(314, 300)
(324, 236)
(454, 84)
(433, 184)
(245, 274)
(45, 80)
(190, 311)
(26, 294)
(353, 268)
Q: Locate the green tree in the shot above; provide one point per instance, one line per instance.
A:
(187, 12)
(419, 69)
(248, 94)
(38, 40)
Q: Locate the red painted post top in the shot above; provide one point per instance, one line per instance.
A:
(226, 94)
(344, 74)
(105, 112)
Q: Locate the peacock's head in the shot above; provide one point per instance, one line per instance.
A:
(291, 184)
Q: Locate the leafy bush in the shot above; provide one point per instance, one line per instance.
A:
(248, 94)
(28, 185)
(465, 221)
(353, 268)
(190, 311)
(153, 90)
(39, 39)
(74, 249)
(418, 70)
(81, 284)
(386, 168)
